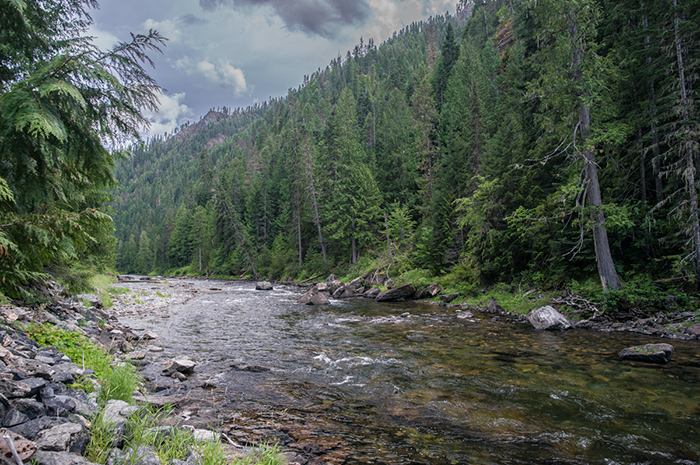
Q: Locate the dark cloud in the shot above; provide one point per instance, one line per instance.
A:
(318, 17)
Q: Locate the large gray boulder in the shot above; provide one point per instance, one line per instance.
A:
(263, 286)
(58, 438)
(404, 291)
(548, 318)
(652, 353)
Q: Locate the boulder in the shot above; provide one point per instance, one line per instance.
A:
(263, 286)
(372, 293)
(91, 299)
(25, 448)
(447, 298)
(493, 307)
(182, 365)
(652, 353)
(548, 318)
(44, 457)
(59, 438)
(31, 429)
(322, 287)
(314, 297)
(347, 291)
(405, 291)
(333, 285)
(12, 389)
(693, 330)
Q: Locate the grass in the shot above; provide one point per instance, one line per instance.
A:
(81, 350)
(174, 444)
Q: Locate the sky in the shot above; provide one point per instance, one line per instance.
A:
(236, 53)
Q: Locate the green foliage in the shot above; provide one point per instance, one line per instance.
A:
(140, 431)
(60, 97)
(469, 135)
(120, 383)
(77, 347)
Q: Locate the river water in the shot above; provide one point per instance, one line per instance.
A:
(406, 383)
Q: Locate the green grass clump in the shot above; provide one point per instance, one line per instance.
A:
(120, 384)
(80, 349)
(175, 445)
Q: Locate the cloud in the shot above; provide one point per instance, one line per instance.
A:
(102, 39)
(222, 73)
(171, 113)
(314, 17)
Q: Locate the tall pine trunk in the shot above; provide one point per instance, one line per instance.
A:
(606, 266)
(686, 147)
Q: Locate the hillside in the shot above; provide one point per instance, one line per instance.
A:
(518, 142)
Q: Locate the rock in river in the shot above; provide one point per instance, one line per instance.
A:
(548, 318)
(654, 353)
(402, 292)
(263, 286)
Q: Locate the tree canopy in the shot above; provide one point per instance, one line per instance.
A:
(61, 100)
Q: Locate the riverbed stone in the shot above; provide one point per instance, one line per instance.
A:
(405, 291)
(263, 286)
(447, 298)
(181, 365)
(313, 297)
(44, 457)
(59, 438)
(652, 353)
(548, 318)
(693, 330)
(24, 447)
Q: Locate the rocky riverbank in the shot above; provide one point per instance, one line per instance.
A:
(45, 419)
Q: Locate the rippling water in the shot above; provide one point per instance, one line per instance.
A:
(412, 384)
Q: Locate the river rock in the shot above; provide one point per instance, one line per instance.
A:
(24, 447)
(182, 365)
(653, 353)
(447, 298)
(44, 457)
(59, 438)
(372, 293)
(12, 389)
(405, 291)
(91, 299)
(693, 330)
(263, 286)
(493, 307)
(548, 318)
(313, 297)
(322, 287)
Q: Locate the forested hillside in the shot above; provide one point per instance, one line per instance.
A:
(537, 142)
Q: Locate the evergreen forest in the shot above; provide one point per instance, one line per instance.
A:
(541, 143)
(537, 142)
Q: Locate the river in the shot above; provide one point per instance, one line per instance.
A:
(406, 383)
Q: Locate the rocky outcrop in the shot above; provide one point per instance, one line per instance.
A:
(548, 318)
(405, 291)
(651, 353)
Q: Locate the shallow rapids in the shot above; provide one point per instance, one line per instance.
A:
(364, 382)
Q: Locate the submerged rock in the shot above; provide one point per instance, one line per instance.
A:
(548, 318)
(652, 353)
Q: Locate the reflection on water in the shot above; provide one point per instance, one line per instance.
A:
(412, 384)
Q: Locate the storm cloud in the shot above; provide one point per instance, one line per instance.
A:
(315, 17)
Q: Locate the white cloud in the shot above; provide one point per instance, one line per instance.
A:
(222, 73)
(171, 113)
(102, 39)
(168, 28)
